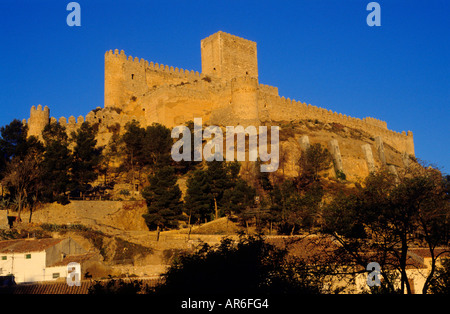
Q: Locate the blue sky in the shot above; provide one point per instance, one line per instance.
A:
(321, 52)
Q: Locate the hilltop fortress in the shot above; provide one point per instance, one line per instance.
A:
(226, 93)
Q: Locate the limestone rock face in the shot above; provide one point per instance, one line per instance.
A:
(351, 149)
(123, 215)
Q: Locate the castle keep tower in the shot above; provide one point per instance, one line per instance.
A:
(227, 56)
(231, 58)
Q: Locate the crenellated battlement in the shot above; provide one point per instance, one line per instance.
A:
(376, 122)
(129, 77)
(153, 66)
(285, 109)
(268, 89)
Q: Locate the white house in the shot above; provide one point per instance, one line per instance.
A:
(32, 260)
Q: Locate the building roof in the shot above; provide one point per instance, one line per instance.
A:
(61, 287)
(75, 258)
(27, 245)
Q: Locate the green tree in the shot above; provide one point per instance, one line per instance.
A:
(184, 166)
(163, 197)
(221, 179)
(199, 201)
(263, 178)
(302, 209)
(214, 191)
(110, 153)
(15, 143)
(279, 204)
(239, 197)
(56, 163)
(157, 145)
(293, 210)
(314, 160)
(146, 147)
(86, 158)
(133, 146)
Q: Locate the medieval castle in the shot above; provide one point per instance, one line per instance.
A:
(226, 93)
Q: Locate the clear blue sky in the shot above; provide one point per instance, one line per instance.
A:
(320, 52)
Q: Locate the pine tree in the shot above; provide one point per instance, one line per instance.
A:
(56, 163)
(222, 176)
(86, 158)
(163, 197)
(315, 160)
(238, 198)
(184, 166)
(216, 191)
(157, 145)
(134, 144)
(199, 201)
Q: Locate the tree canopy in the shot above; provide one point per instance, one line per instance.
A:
(163, 197)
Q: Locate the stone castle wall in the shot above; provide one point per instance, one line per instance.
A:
(126, 77)
(277, 108)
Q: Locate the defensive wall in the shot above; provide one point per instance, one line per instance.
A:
(275, 108)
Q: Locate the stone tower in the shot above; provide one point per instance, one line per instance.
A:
(227, 56)
(244, 100)
(38, 120)
(234, 59)
(125, 78)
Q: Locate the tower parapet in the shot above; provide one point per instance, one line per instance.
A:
(227, 56)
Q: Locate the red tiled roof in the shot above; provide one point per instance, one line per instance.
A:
(48, 288)
(27, 245)
(61, 287)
